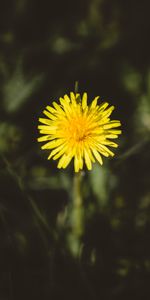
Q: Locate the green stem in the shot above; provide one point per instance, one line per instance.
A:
(77, 205)
(76, 217)
(77, 188)
(76, 87)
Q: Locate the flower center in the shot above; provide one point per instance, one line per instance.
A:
(77, 129)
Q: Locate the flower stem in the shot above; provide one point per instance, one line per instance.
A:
(76, 90)
(76, 216)
(76, 87)
(77, 205)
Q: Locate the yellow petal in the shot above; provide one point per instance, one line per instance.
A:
(87, 160)
(66, 98)
(97, 155)
(107, 112)
(47, 128)
(45, 121)
(113, 131)
(51, 109)
(48, 131)
(103, 106)
(53, 144)
(111, 136)
(84, 101)
(60, 153)
(58, 107)
(111, 125)
(53, 152)
(64, 161)
(106, 150)
(44, 138)
(78, 162)
(66, 107)
(94, 102)
(81, 162)
(109, 143)
(49, 115)
(67, 161)
(72, 96)
(73, 99)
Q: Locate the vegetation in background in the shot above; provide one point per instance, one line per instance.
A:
(45, 47)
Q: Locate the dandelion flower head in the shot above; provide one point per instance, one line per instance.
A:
(75, 130)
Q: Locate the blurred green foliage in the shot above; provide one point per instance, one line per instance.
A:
(45, 47)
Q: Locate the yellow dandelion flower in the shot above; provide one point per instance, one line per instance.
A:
(74, 130)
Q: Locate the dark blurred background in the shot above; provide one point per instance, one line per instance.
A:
(45, 46)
